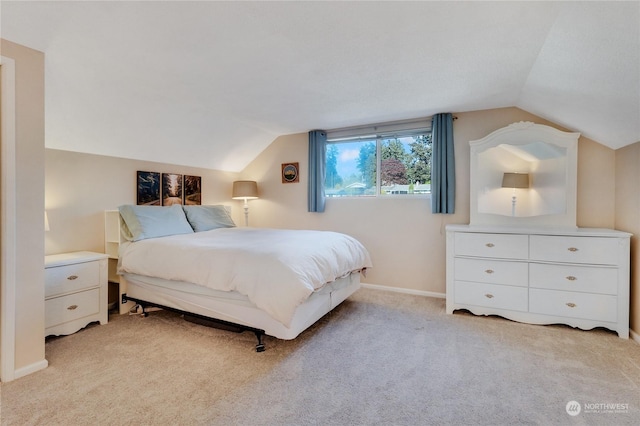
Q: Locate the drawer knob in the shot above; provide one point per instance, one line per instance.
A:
(573, 249)
(72, 277)
(489, 296)
(489, 271)
(490, 245)
(72, 307)
(571, 278)
(571, 305)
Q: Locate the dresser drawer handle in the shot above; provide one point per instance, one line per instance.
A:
(571, 278)
(571, 305)
(490, 245)
(489, 271)
(489, 296)
(72, 277)
(573, 249)
(72, 307)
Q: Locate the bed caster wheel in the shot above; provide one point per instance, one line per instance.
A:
(260, 348)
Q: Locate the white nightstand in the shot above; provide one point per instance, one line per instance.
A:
(75, 291)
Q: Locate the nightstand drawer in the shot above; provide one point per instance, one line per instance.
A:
(491, 296)
(70, 278)
(492, 271)
(584, 279)
(59, 310)
(595, 307)
(591, 250)
(505, 246)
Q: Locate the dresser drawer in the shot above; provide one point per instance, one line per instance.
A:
(70, 278)
(62, 309)
(591, 250)
(574, 278)
(491, 295)
(492, 271)
(505, 246)
(596, 307)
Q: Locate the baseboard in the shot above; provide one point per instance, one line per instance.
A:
(404, 290)
(634, 336)
(32, 368)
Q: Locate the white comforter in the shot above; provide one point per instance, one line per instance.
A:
(276, 269)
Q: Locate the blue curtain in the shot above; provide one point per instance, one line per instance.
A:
(443, 170)
(317, 149)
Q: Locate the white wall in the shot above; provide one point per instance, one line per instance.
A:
(628, 217)
(29, 207)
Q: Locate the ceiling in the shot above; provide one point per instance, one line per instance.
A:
(212, 84)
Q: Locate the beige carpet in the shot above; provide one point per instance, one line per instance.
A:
(380, 358)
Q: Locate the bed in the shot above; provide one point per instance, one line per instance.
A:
(193, 259)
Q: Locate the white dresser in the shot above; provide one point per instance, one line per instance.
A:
(75, 291)
(541, 276)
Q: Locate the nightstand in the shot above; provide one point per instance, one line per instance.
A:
(76, 291)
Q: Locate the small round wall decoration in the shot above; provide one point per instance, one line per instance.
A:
(290, 172)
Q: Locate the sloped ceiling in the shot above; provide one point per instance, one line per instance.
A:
(212, 84)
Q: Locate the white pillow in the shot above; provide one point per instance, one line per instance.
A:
(205, 218)
(154, 221)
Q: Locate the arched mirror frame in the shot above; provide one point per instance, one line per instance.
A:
(518, 135)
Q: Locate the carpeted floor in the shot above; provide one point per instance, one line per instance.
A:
(380, 358)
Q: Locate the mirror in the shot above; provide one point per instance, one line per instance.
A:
(524, 174)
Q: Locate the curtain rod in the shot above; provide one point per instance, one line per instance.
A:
(375, 125)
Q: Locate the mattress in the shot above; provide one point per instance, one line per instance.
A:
(277, 269)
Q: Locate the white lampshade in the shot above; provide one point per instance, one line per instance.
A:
(515, 180)
(245, 190)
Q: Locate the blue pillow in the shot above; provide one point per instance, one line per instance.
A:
(205, 218)
(154, 221)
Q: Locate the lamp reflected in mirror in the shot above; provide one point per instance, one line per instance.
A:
(515, 181)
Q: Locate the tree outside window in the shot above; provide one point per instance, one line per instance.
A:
(405, 166)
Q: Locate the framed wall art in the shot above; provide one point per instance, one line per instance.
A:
(192, 191)
(148, 188)
(290, 173)
(171, 189)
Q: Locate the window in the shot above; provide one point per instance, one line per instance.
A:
(402, 158)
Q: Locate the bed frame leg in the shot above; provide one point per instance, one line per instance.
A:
(260, 345)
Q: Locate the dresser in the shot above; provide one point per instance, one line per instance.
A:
(578, 277)
(75, 291)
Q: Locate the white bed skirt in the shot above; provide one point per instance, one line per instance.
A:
(236, 308)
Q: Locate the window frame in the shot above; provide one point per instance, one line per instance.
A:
(378, 133)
